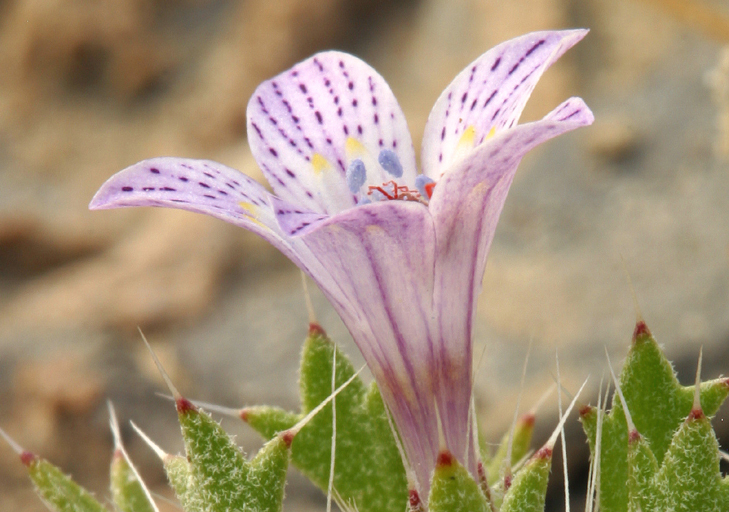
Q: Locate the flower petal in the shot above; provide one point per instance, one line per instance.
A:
(307, 125)
(466, 205)
(488, 96)
(295, 221)
(200, 186)
(381, 256)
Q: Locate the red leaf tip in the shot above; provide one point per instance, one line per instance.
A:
(414, 500)
(244, 414)
(528, 420)
(27, 458)
(317, 330)
(633, 436)
(585, 410)
(641, 330)
(696, 414)
(545, 452)
(184, 406)
(445, 458)
(288, 438)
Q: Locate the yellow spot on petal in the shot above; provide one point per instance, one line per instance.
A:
(467, 138)
(251, 210)
(319, 163)
(491, 133)
(354, 148)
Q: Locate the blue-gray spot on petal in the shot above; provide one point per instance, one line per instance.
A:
(390, 162)
(356, 175)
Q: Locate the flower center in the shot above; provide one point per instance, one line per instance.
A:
(357, 179)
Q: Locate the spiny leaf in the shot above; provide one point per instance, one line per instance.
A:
(221, 476)
(453, 489)
(127, 491)
(182, 481)
(528, 490)
(369, 472)
(689, 479)
(658, 405)
(642, 468)
(520, 447)
(58, 490)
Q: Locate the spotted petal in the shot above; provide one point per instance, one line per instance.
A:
(200, 186)
(382, 257)
(308, 124)
(489, 96)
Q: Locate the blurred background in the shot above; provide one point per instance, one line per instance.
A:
(90, 87)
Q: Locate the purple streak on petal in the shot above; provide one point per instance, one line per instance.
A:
(382, 257)
(314, 108)
(466, 205)
(490, 93)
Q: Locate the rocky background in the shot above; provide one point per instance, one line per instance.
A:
(87, 88)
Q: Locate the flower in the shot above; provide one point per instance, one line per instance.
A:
(400, 255)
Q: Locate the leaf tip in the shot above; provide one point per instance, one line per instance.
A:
(28, 458)
(415, 504)
(184, 406)
(544, 453)
(641, 331)
(244, 413)
(633, 436)
(287, 437)
(316, 330)
(445, 459)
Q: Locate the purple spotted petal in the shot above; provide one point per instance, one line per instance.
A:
(466, 205)
(490, 93)
(200, 186)
(382, 257)
(300, 121)
(211, 188)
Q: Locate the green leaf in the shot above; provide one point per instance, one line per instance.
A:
(219, 476)
(658, 404)
(127, 491)
(642, 468)
(453, 489)
(528, 490)
(689, 479)
(182, 481)
(368, 470)
(57, 490)
(520, 447)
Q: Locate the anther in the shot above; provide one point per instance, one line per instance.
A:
(425, 185)
(390, 162)
(356, 175)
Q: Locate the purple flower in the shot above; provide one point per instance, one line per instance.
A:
(400, 255)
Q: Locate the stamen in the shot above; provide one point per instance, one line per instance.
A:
(421, 183)
(390, 162)
(382, 191)
(356, 175)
